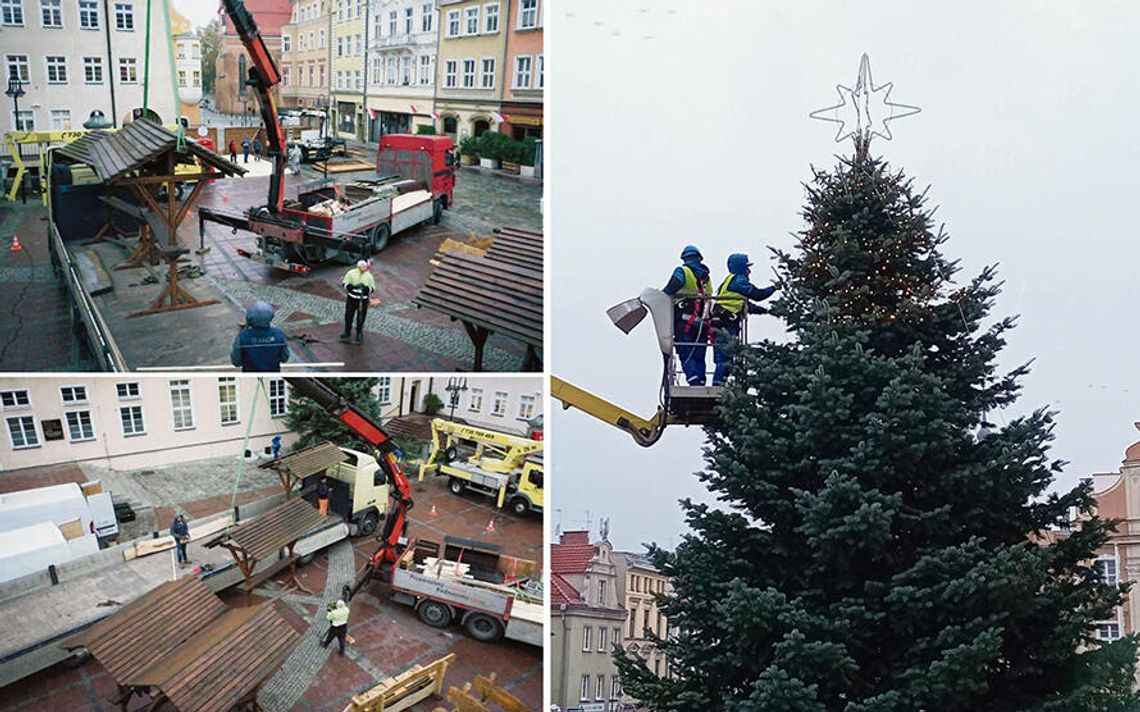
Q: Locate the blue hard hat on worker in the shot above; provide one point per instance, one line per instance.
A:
(259, 346)
(690, 279)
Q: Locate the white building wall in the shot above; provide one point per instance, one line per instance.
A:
(35, 41)
(519, 398)
(188, 64)
(162, 442)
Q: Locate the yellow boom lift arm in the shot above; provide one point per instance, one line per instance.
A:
(644, 431)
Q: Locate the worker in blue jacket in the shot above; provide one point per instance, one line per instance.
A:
(259, 347)
(736, 298)
(690, 325)
(180, 530)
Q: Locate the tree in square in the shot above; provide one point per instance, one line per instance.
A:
(878, 547)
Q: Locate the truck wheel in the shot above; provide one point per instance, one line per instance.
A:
(437, 211)
(380, 235)
(434, 613)
(368, 523)
(450, 454)
(483, 628)
(456, 485)
(520, 506)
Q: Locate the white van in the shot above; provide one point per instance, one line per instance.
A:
(33, 548)
(76, 511)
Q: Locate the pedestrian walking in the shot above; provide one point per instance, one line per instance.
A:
(323, 496)
(257, 148)
(358, 286)
(233, 151)
(275, 444)
(337, 617)
(181, 533)
(259, 347)
(245, 150)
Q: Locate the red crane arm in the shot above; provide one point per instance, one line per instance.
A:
(263, 76)
(399, 486)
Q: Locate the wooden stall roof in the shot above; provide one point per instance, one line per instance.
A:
(222, 664)
(277, 528)
(114, 154)
(497, 296)
(517, 246)
(131, 639)
(309, 461)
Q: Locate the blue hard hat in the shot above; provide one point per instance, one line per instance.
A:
(259, 315)
(691, 251)
(738, 263)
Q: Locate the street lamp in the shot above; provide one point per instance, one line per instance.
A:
(455, 386)
(16, 90)
(97, 120)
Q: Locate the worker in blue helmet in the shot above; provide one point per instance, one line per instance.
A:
(686, 285)
(736, 298)
(259, 347)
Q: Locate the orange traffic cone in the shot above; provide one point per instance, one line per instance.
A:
(490, 527)
(433, 512)
(16, 246)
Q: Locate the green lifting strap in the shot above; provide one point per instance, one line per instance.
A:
(146, 65)
(245, 442)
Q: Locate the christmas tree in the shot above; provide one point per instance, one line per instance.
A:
(316, 425)
(875, 547)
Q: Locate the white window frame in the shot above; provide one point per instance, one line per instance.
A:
(491, 14)
(528, 406)
(409, 19)
(124, 16)
(539, 73)
(487, 76)
(59, 119)
(55, 8)
(602, 631)
(522, 77)
(384, 390)
(615, 687)
(92, 67)
(393, 22)
(58, 66)
(502, 398)
(132, 408)
(424, 70)
(128, 70)
(470, 21)
(286, 43)
(1107, 578)
(277, 390)
(15, 395)
(24, 120)
(475, 401)
(181, 388)
(584, 691)
(12, 13)
(524, 11)
(390, 70)
(454, 23)
(469, 68)
(21, 63)
(406, 70)
(90, 424)
(600, 688)
(68, 394)
(587, 639)
(125, 387)
(228, 400)
(1109, 638)
(451, 73)
(427, 19)
(37, 438)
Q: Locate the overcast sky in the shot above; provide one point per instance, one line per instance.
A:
(199, 12)
(680, 122)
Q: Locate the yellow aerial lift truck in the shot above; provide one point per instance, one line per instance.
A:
(679, 403)
(507, 467)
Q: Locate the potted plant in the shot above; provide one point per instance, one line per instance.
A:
(512, 156)
(529, 155)
(432, 404)
(469, 151)
(490, 149)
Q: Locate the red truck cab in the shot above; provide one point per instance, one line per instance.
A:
(426, 158)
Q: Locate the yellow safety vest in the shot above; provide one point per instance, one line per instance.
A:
(356, 277)
(692, 287)
(729, 300)
(338, 616)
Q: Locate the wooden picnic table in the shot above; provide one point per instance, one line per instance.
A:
(489, 296)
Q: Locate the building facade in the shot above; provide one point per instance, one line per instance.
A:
(1118, 497)
(231, 95)
(347, 89)
(470, 66)
(525, 79)
(79, 56)
(131, 422)
(401, 76)
(305, 55)
(639, 584)
(187, 67)
(587, 621)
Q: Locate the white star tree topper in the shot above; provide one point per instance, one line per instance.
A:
(865, 109)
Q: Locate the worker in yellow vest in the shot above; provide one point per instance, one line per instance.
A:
(337, 617)
(690, 325)
(736, 298)
(359, 285)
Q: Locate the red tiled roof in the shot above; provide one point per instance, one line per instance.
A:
(572, 554)
(561, 592)
(268, 14)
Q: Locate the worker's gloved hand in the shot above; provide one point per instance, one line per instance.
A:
(758, 310)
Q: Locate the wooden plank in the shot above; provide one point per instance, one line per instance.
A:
(487, 688)
(463, 700)
(404, 690)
